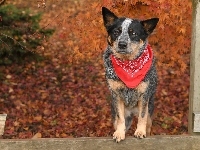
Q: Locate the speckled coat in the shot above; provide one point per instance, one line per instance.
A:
(131, 96)
(127, 40)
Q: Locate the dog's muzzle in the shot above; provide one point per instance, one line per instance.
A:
(122, 45)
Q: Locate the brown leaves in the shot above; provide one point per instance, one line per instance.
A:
(55, 98)
(57, 101)
(77, 103)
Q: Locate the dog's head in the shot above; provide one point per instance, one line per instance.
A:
(127, 36)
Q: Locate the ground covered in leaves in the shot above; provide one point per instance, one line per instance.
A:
(55, 98)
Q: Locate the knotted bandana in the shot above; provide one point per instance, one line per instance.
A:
(132, 72)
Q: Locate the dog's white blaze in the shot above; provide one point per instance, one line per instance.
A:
(124, 35)
(126, 24)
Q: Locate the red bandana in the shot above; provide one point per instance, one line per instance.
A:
(132, 72)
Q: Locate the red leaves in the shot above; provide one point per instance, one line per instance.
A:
(55, 98)
(74, 101)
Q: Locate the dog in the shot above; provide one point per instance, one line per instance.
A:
(130, 72)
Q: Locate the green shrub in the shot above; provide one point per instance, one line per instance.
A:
(20, 35)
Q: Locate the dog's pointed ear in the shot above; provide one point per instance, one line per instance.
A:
(108, 17)
(150, 24)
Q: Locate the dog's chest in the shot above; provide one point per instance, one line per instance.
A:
(130, 96)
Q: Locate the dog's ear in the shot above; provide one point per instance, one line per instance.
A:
(108, 17)
(150, 24)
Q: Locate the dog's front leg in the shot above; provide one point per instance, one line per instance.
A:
(117, 110)
(119, 122)
(142, 119)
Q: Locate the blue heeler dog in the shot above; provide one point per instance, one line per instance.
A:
(130, 72)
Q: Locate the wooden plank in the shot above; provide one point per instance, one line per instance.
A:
(194, 103)
(130, 143)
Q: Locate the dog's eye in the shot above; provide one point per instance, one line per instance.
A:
(133, 33)
(116, 32)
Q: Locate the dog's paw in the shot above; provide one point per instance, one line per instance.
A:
(140, 133)
(119, 135)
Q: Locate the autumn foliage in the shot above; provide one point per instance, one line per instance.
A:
(66, 95)
(171, 40)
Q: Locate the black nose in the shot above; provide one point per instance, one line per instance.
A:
(122, 45)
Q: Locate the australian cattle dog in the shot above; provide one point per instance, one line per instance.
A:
(130, 72)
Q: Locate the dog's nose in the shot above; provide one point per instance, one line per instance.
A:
(122, 45)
